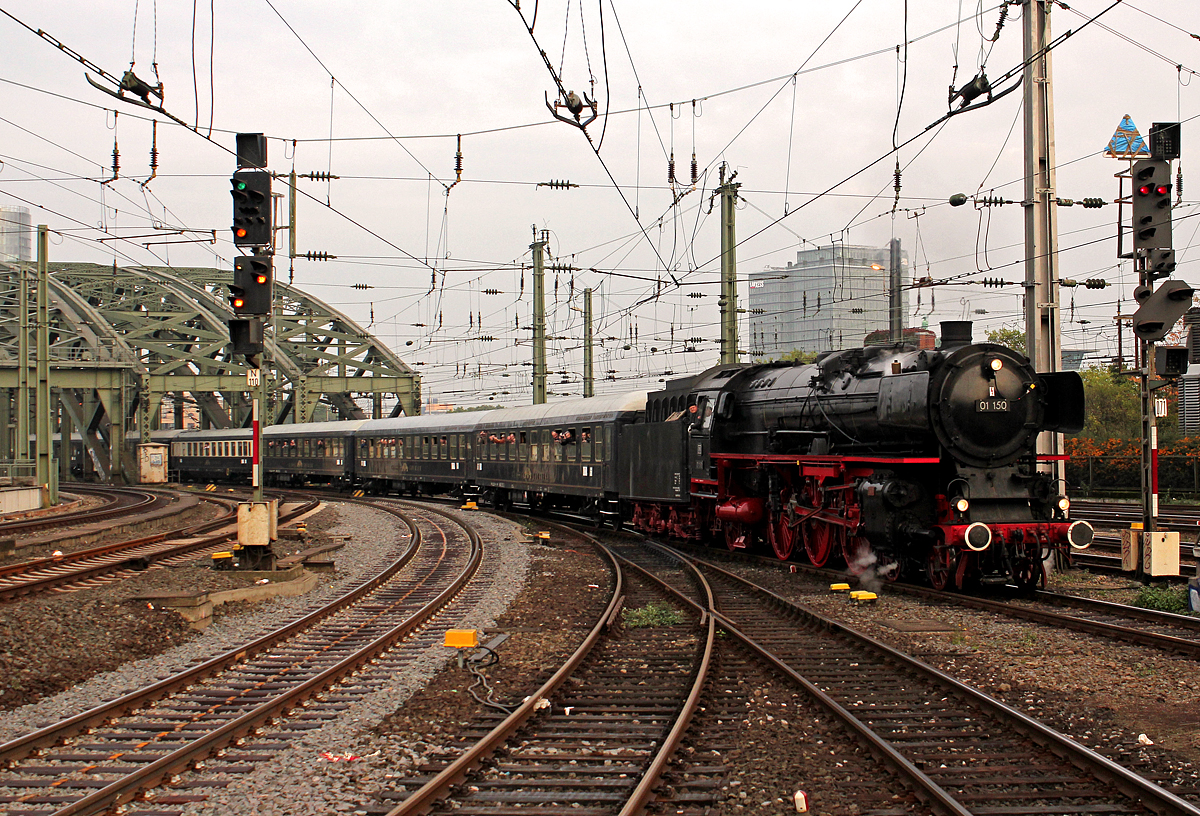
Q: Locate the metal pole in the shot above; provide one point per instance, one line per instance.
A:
(589, 381)
(256, 445)
(44, 439)
(21, 449)
(895, 311)
(729, 335)
(292, 215)
(1149, 466)
(539, 316)
(1041, 220)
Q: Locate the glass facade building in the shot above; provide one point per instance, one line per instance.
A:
(832, 297)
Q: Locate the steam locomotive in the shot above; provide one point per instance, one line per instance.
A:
(896, 460)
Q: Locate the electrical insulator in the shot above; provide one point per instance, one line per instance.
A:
(695, 169)
(362, 286)
(318, 175)
(1093, 203)
(856, 310)
(671, 169)
(764, 311)
(1179, 183)
(317, 256)
(1095, 283)
(491, 291)
(695, 294)
(486, 338)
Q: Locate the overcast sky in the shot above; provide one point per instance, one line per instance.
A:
(394, 84)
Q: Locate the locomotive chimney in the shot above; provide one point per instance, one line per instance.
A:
(956, 333)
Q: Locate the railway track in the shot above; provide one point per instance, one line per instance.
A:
(595, 738)
(294, 678)
(1182, 517)
(83, 568)
(117, 502)
(955, 748)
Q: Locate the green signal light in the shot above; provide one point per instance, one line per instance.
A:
(241, 185)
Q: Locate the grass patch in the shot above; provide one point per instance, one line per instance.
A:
(1163, 598)
(652, 614)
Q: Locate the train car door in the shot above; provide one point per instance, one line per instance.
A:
(700, 435)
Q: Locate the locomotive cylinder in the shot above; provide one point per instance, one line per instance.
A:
(741, 509)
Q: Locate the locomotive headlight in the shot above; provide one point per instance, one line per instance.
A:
(1063, 503)
(996, 364)
(962, 505)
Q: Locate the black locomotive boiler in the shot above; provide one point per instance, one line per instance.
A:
(896, 459)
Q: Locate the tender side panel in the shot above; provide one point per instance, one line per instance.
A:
(653, 462)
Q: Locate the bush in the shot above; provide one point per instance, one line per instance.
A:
(1163, 598)
(655, 614)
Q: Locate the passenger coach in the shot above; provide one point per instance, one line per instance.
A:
(428, 453)
(214, 455)
(560, 455)
(320, 452)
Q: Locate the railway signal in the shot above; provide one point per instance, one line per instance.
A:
(1161, 309)
(253, 285)
(251, 208)
(1152, 204)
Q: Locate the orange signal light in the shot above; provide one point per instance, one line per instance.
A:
(238, 303)
(260, 279)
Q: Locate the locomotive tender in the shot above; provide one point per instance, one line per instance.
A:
(894, 459)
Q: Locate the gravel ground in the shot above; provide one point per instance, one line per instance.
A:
(45, 639)
(1108, 696)
(317, 773)
(1102, 694)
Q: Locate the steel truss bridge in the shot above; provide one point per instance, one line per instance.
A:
(124, 340)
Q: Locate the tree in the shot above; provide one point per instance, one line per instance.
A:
(1113, 408)
(1112, 405)
(798, 356)
(1008, 336)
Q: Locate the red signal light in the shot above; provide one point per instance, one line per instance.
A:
(240, 232)
(260, 279)
(1162, 189)
(1146, 189)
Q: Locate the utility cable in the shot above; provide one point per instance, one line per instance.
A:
(333, 78)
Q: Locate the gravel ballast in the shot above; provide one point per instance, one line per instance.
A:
(1108, 696)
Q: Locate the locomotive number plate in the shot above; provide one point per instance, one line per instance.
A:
(991, 406)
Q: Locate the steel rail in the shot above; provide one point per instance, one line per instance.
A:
(936, 796)
(644, 793)
(133, 562)
(152, 775)
(136, 500)
(1113, 631)
(1123, 779)
(426, 796)
(23, 747)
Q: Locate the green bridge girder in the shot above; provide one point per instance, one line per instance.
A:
(122, 338)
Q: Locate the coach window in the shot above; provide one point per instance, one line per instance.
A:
(585, 444)
(599, 443)
(524, 446)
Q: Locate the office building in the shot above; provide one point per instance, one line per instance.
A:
(832, 297)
